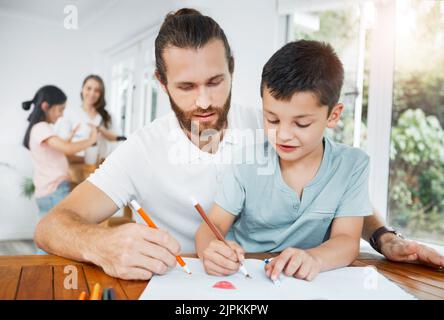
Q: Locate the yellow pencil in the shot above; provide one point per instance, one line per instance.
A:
(95, 295)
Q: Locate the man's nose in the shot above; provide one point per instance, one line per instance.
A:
(203, 99)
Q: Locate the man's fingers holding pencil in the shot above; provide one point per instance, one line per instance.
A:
(151, 264)
(162, 238)
(134, 245)
(150, 249)
(136, 274)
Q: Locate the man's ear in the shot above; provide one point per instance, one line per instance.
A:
(159, 78)
(335, 115)
(231, 65)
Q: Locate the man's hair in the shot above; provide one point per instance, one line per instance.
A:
(188, 28)
(304, 66)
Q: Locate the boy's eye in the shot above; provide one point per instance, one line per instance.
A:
(303, 125)
(273, 121)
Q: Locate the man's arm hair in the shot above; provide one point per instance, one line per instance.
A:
(70, 228)
(371, 223)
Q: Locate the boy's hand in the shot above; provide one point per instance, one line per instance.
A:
(294, 262)
(221, 260)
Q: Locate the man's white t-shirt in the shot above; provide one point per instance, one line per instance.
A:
(162, 169)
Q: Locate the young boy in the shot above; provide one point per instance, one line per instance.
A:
(311, 207)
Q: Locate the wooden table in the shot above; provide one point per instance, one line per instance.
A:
(42, 278)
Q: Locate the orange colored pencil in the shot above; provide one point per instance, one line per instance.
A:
(136, 206)
(82, 295)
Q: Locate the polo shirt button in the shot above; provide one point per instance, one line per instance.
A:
(295, 206)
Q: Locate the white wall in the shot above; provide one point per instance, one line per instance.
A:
(252, 29)
(35, 53)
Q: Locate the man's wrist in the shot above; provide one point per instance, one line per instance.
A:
(381, 235)
(386, 237)
(92, 250)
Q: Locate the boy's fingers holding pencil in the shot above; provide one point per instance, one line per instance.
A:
(281, 261)
(215, 269)
(223, 262)
(224, 250)
(303, 270)
(240, 252)
(293, 265)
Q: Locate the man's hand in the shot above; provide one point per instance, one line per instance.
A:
(396, 249)
(135, 252)
(220, 260)
(294, 263)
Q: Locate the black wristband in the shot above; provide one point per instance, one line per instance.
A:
(120, 138)
(374, 239)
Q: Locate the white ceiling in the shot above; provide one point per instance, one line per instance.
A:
(51, 11)
(102, 24)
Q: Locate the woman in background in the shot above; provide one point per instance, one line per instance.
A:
(93, 111)
(48, 151)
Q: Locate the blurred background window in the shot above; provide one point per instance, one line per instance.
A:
(416, 185)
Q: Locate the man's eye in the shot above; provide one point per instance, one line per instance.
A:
(303, 125)
(273, 121)
(214, 83)
(186, 88)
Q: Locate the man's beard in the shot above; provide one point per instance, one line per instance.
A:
(186, 122)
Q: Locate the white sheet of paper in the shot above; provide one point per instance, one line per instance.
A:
(352, 283)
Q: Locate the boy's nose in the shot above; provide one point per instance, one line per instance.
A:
(284, 134)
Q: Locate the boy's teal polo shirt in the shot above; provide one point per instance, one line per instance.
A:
(270, 215)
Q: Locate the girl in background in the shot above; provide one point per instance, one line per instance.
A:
(93, 111)
(48, 151)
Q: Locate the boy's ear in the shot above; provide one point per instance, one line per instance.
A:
(335, 115)
(163, 85)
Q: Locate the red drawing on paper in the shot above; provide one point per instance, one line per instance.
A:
(224, 285)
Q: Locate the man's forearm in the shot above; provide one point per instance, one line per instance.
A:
(62, 232)
(371, 223)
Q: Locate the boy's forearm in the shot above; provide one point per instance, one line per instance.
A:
(203, 237)
(337, 252)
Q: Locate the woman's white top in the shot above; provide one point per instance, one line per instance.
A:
(78, 116)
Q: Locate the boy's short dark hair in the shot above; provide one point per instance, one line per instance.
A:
(303, 66)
